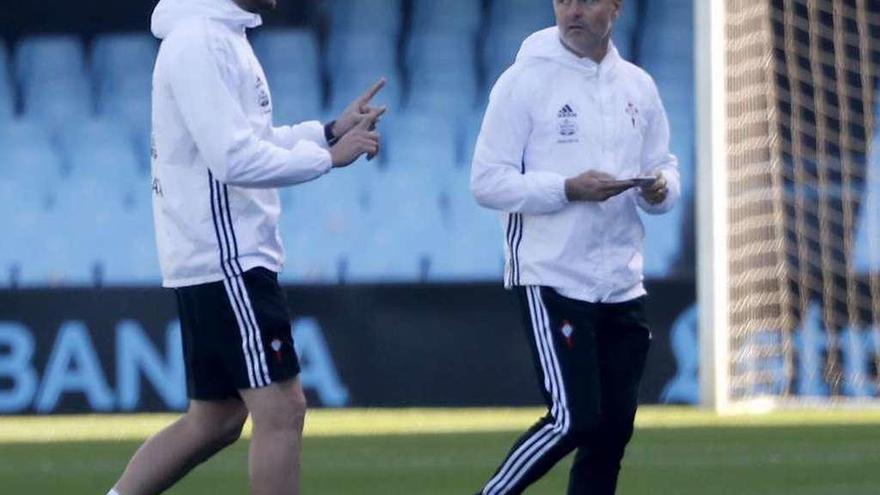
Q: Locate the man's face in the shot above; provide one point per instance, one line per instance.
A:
(257, 6)
(584, 23)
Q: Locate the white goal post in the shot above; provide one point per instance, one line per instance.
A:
(787, 193)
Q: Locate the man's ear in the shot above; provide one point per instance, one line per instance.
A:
(618, 6)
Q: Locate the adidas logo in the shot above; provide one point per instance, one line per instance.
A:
(567, 112)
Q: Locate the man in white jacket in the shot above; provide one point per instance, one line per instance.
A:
(574, 142)
(216, 161)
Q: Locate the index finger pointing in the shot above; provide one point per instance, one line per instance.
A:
(374, 89)
(371, 118)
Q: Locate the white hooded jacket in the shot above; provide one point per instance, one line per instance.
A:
(552, 116)
(216, 156)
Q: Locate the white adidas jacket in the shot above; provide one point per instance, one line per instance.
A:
(552, 116)
(216, 156)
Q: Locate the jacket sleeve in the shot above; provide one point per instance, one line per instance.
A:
(498, 179)
(288, 136)
(657, 157)
(235, 154)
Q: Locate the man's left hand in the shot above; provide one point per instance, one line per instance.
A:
(656, 193)
(357, 111)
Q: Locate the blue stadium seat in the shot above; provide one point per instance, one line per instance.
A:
(421, 144)
(678, 13)
(447, 16)
(28, 159)
(73, 236)
(48, 57)
(19, 210)
(867, 245)
(123, 55)
(404, 223)
(287, 50)
(663, 238)
(113, 162)
(629, 18)
(473, 249)
(348, 86)
(90, 148)
(58, 101)
(453, 95)
(469, 132)
(322, 224)
(500, 49)
(296, 97)
(521, 14)
(133, 112)
(24, 132)
(668, 44)
(130, 257)
(440, 51)
(7, 94)
(443, 74)
(354, 53)
(624, 44)
(383, 16)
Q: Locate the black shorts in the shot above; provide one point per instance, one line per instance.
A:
(236, 335)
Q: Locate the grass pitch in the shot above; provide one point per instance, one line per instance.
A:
(675, 451)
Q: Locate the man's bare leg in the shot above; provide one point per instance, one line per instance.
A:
(278, 413)
(206, 428)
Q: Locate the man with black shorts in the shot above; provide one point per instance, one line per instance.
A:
(216, 161)
(574, 141)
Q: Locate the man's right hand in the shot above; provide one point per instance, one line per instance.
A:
(593, 186)
(358, 141)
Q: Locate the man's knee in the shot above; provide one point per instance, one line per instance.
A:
(231, 427)
(284, 410)
(220, 425)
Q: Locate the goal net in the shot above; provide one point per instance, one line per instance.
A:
(802, 204)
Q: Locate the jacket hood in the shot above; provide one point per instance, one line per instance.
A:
(547, 44)
(169, 14)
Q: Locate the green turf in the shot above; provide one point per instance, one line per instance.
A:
(764, 459)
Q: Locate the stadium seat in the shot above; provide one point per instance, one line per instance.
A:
(663, 238)
(122, 55)
(98, 148)
(21, 211)
(353, 53)
(346, 87)
(296, 96)
(322, 224)
(440, 51)
(115, 164)
(867, 245)
(84, 212)
(421, 144)
(473, 247)
(43, 58)
(287, 50)
(443, 76)
(448, 94)
(28, 159)
(382, 16)
(58, 101)
(667, 44)
(129, 103)
(403, 224)
(469, 132)
(7, 94)
(500, 49)
(677, 13)
(130, 257)
(521, 15)
(447, 16)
